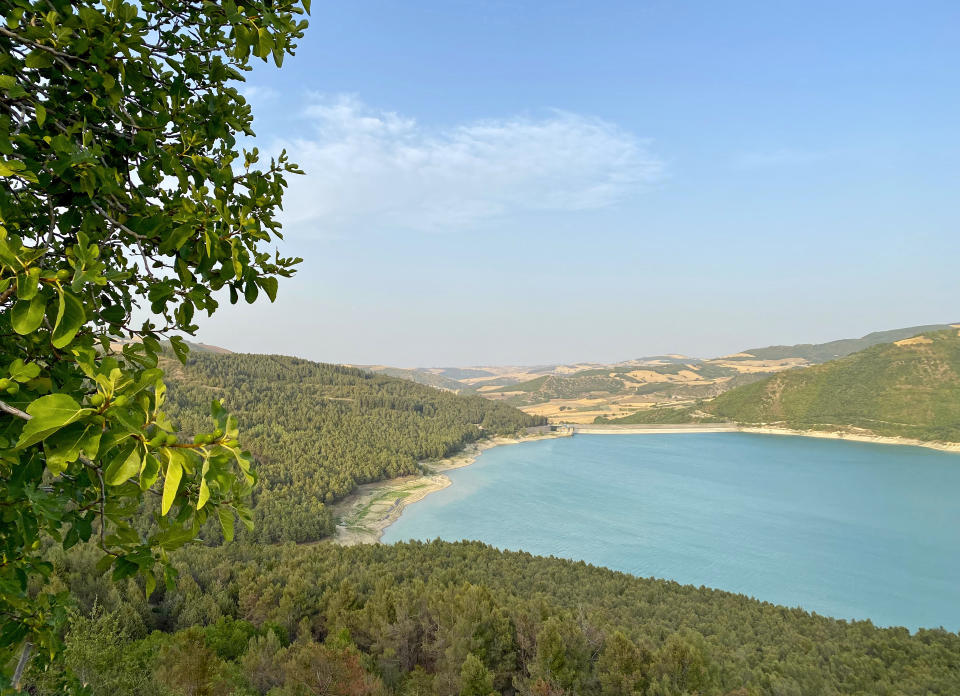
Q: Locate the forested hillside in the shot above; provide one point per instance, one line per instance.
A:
(443, 619)
(317, 431)
(910, 388)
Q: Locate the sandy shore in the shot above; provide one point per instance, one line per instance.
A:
(364, 514)
(848, 434)
(655, 429)
(862, 436)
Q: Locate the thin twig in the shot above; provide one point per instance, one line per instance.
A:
(103, 516)
(59, 56)
(123, 227)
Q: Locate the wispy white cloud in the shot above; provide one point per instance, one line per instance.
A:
(373, 170)
(780, 157)
(258, 94)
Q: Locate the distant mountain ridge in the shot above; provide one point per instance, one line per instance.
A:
(822, 352)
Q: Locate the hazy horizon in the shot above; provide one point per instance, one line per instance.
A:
(516, 183)
(294, 352)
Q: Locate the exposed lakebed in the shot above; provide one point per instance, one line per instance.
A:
(846, 529)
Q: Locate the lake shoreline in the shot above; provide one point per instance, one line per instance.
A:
(851, 435)
(845, 530)
(363, 516)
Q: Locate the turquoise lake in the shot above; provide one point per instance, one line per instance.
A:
(845, 529)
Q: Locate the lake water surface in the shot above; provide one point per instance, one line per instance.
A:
(846, 529)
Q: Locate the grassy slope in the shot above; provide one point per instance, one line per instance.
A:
(905, 390)
(608, 380)
(896, 390)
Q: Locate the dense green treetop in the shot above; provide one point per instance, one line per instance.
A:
(443, 619)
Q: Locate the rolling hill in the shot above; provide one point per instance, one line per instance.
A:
(431, 379)
(582, 392)
(908, 388)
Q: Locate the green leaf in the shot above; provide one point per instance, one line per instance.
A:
(269, 285)
(204, 494)
(150, 472)
(38, 59)
(124, 465)
(250, 292)
(171, 481)
(41, 113)
(105, 563)
(226, 521)
(11, 167)
(65, 446)
(28, 283)
(41, 385)
(49, 414)
(27, 315)
(23, 372)
(150, 581)
(170, 577)
(70, 318)
(180, 348)
(124, 568)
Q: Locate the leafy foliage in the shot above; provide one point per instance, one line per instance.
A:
(121, 187)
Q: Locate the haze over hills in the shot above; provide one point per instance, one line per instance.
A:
(672, 388)
(908, 388)
(581, 392)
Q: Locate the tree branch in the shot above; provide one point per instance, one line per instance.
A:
(13, 411)
(59, 55)
(123, 227)
(22, 663)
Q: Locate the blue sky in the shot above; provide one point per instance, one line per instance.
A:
(532, 182)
